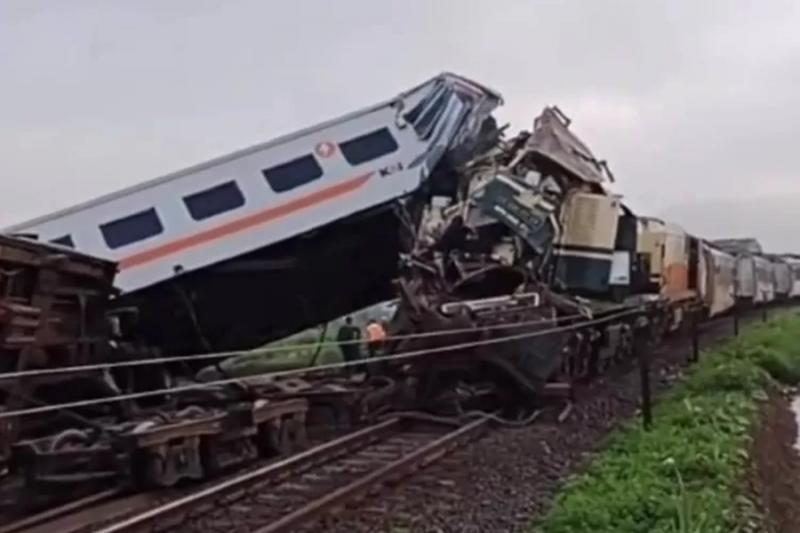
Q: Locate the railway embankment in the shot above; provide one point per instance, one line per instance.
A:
(719, 456)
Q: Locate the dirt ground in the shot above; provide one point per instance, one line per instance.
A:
(774, 473)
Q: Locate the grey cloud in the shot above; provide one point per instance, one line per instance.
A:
(690, 102)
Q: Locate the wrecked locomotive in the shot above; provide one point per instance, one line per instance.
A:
(533, 243)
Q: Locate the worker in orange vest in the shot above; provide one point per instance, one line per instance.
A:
(376, 334)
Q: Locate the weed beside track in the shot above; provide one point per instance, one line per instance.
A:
(684, 475)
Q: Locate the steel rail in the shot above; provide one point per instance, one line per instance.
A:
(303, 371)
(172, 513)
(277, 349)
(265, 475)
(93, 513)
(52, 514)
(395, 470)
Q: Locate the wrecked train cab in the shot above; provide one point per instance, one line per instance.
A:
(596, 250)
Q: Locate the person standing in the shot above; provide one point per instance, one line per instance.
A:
(347, 337)
(376, 334)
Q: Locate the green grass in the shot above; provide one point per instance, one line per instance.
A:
(685, 473)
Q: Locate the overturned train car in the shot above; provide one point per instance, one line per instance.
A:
(269, 240)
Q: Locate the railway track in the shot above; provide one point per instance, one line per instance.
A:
(83, 514)
(288, 494)
(292, 494)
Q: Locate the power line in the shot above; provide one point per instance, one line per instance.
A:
(301, 371)
(261, 351)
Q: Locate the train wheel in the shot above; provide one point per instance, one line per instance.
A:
(150, 470)
(166, 464)
(210, 457)
(69, 439)
(285, 445)
(274, 438)
(298, 430)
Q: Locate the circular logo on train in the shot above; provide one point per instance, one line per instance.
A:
(325, 149)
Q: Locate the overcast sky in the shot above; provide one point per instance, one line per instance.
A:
(696, 105)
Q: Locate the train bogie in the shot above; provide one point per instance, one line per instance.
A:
(161, 450)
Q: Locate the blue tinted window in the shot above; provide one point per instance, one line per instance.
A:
(132, 228)
(368, 147)
(66, 240)
(297, 172)
(213, 201)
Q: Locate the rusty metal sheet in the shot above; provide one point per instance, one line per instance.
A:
(552, 140)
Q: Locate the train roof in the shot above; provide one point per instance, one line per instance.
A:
(746, 245)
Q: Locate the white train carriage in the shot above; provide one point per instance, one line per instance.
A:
(717, 280)
(745, 279)
(764, 280)
(271, 192)
(794, 266)
(782, 276)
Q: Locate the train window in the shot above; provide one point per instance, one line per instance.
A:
(297, 172)
(213, 201)
(413, 115)
(427, 123)
(133, 228)
(426, 114)
(368, 147)
(66, 240)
